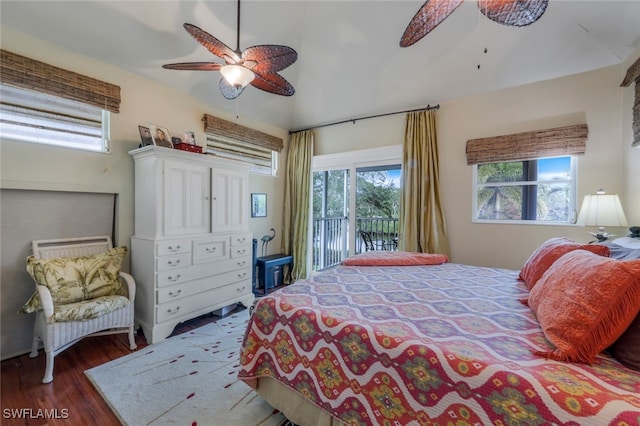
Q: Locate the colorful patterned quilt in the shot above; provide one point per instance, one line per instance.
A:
(442, 344)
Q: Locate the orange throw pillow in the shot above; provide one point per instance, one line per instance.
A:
(550, 251)
(395, 258)
(584, 303)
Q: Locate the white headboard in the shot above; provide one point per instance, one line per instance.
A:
(71, 247)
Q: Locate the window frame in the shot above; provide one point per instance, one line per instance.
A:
(57, 116)
(572, 180)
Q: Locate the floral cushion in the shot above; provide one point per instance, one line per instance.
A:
(88, 309)
(75, 279)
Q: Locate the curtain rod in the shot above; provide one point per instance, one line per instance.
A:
(353, 120)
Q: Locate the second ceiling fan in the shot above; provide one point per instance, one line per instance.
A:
(256, 65)
(515, 13)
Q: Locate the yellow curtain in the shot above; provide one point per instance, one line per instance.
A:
(422, 223)
(296, 202)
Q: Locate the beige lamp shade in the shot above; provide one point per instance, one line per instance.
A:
(601, 210)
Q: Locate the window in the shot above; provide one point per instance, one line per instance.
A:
(232, 140)
(541, 190)
(30, 116)
(263, 159)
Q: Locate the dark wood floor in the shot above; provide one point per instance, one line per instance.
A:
(70, 393)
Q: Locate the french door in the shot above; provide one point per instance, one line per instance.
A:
(361, 195)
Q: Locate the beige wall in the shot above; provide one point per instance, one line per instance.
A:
(595, 98)
(34, 166)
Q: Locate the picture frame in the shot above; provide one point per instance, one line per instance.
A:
(190, 137)
(161, 136)
(258, 205)
(145, 135)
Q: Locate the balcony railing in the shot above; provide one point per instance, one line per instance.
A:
(331, 238)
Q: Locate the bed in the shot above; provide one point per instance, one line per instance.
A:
(424, 344)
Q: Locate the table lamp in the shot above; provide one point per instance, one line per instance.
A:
(601, 210)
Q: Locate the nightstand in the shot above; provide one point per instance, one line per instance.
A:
(271, 270)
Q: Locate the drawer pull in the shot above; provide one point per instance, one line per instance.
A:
(241, 240)
(174, 249)
(243, 251)
(244, 262)
(171, 263)
(241, 289)
(176, 294)
(242, 275)
(173, 311)
(210, 249)
(173, 279)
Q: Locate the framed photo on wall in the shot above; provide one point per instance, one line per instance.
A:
(258, 205)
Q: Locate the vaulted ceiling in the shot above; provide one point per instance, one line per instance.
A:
(349, 60)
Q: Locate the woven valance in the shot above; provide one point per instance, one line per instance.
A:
(27, 73)
(215, 126)
(570, 140)
(633, 75)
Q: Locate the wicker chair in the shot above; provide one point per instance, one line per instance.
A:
(56, 335)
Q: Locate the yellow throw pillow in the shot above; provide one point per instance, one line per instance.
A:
(73, 279)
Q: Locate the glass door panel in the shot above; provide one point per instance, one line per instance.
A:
(330, 217)
(377, 208)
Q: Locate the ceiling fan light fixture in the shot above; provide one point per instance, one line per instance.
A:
(237, 75)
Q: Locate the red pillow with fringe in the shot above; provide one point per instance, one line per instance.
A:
(584, 303)
(550, 251)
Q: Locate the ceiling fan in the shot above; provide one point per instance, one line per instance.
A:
(256, 65)
(515, 13)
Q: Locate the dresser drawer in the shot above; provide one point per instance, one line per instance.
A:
(210, 270)
(240, 239)
(174, 292)
(172, 262)
(184, 306)
(240, 251)
(210, 249)
(165, 248)
(174, 276)
(233, 291)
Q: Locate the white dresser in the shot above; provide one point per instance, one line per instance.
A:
(191, 252)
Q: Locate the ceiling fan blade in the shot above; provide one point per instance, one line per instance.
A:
(229, 91)
(430, 15)
(211, 43)
(270, 58)
(194, 66)
(273, 83)
(515, 13)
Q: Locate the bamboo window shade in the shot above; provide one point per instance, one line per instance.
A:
(27, 73)
(224, 129)
(569, 140)
(633, 75)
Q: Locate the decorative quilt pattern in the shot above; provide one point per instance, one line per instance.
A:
(442, 344)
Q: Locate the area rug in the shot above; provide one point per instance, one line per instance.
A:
(188, 379)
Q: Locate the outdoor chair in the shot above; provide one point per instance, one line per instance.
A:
(371, 245)
(80, 292)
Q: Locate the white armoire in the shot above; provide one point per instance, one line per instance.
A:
(191, 252)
